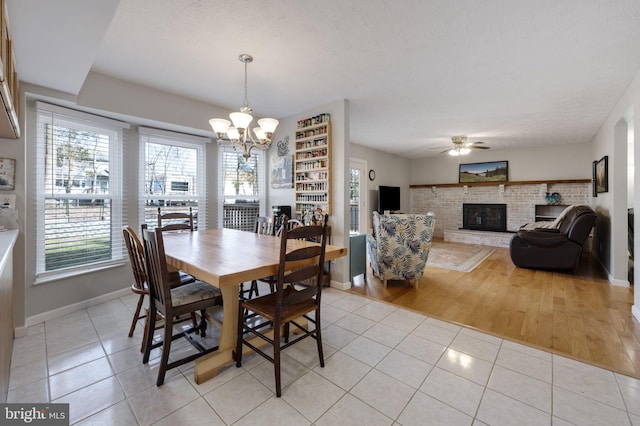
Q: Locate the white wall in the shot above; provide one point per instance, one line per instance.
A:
(390, 170)
(572, 161)
(611, 140)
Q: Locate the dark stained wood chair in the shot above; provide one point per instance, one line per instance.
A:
(139, 285)
(280, 309)
(265, 226)
(175, 221)
(172, 303)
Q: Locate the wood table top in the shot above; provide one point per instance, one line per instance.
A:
(225, 257)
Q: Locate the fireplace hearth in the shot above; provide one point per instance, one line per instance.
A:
(484, 217)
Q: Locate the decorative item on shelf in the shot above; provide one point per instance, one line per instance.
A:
(552, 198)
(239, 135)
(313, 217)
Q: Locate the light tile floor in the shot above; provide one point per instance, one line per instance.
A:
(384, 366)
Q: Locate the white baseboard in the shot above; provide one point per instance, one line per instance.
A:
(635, 311)
(45, 316)
(619, 283)
(340, 286)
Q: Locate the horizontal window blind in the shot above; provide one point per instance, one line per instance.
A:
(172, 175)
(78, 191)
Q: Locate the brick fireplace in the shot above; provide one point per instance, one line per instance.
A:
(446, 200)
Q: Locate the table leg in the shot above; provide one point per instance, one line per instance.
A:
(209, 366)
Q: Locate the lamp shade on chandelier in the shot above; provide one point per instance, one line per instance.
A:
(239, 135)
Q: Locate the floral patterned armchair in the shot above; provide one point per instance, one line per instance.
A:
(399, 246)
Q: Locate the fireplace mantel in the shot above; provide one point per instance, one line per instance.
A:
(513, 182)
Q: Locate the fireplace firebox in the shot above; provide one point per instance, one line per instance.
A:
(484, 217)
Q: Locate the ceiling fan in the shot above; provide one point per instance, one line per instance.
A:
(460, 146)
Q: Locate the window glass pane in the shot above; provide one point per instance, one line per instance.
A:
(171, 178)
(77, 232)
(242, 189)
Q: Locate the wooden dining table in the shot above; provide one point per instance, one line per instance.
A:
(224, 258)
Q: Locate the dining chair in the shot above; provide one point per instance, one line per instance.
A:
(175, 221)
(289, 302)
(291, 223)
(173, 302)
(140, 283)
(272, 279)
(265, 226)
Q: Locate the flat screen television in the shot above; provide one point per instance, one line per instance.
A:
(388, 198)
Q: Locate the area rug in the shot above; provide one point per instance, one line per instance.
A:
(458, 257)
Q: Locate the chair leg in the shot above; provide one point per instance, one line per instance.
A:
(136, 315)
(319, 338)
(145, 331)
(239, 337)
(166, 347)
(151, 321)
(203, 323)
(276, 358)
(253, 289)
(385, 283)
(194, 320)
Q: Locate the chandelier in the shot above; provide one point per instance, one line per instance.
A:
(459, 146)
(239, 135)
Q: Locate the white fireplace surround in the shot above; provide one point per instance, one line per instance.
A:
(446, 201)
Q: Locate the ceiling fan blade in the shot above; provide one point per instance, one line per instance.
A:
(479, 147)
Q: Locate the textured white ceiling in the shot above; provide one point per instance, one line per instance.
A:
(416, 72)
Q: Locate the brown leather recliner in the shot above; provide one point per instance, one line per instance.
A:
(554, 248)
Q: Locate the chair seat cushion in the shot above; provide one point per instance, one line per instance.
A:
(265, 306)
(194, 292)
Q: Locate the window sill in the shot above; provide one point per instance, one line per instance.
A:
(58, 276)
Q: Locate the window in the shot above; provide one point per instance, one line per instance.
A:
(79, 191)
(242, 188)
(173, 175)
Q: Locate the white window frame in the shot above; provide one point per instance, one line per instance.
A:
(56, 115)
(166, 137)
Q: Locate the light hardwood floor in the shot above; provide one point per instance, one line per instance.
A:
(579, 315)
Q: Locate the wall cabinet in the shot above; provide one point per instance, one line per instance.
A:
(548, 212)
(313, 165)
(9, 90)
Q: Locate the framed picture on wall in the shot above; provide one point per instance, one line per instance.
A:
(602, 175)
(282, 172)
(594, 187)
(493, 171)
(7, 173)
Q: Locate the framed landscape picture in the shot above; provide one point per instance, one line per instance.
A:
(602, 175)
(7, 173)
(493, 171)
